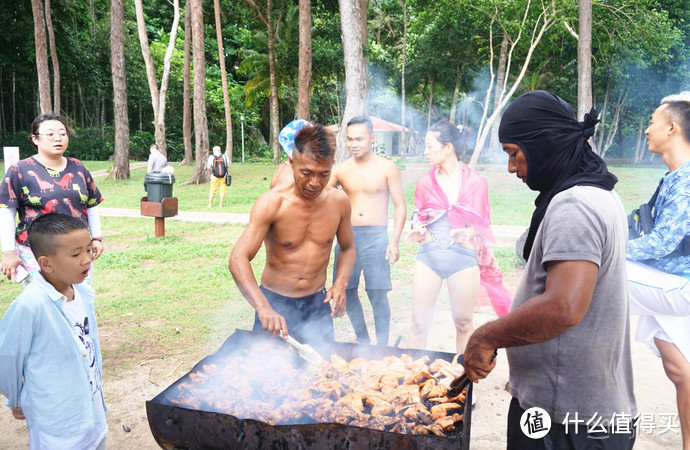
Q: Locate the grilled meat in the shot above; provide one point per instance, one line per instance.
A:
(386, 394)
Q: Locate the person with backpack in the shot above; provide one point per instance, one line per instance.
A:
(658, 266)
(218, 165)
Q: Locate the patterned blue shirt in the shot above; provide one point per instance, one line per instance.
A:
(659, 248)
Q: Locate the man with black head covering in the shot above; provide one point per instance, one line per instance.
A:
(568, 333)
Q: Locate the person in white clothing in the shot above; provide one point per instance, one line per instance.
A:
(659, 262)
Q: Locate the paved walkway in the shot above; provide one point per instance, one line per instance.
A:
(103, 172)
(506, 235)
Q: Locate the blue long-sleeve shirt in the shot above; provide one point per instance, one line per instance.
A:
(44, 368)
(659, 248)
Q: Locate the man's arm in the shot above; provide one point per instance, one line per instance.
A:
(346, 256)
(240, 267)
(333, 182)
(398, 197)
(565, 301)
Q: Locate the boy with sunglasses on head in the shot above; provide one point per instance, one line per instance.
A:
(49, 352)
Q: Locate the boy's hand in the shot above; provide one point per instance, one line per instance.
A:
(18, 413)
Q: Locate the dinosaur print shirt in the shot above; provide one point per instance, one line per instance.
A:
(34, 190)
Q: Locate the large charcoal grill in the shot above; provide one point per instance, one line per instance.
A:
(176, 427)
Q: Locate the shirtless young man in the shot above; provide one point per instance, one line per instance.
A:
(369, 180)
(298, 222)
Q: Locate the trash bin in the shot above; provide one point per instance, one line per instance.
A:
(159, 186)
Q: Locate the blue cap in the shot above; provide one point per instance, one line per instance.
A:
(287, 135)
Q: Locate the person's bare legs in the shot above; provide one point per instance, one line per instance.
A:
(462, 290)
(210, 199)
(222, 197)
(677, 369)
(425, 288)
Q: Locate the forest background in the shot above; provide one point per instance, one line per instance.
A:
(423, 60)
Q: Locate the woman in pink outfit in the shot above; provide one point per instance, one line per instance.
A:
(452, 224)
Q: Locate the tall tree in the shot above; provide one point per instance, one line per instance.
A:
(53, 58)
(117, 54)
(304, 89)
(266, 16)
(356, 84)
(535, 21)
(403, 64)
(224, 82)
(584, 59)
(201, 174)
(44, 101)
(157, 97)
(186, 90)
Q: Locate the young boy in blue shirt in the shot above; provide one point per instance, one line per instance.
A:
(50, 359)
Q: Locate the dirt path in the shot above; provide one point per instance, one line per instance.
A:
(127, 392)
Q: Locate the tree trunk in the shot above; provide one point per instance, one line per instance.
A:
(273, 112)
(160, 117)
(356, 92)
(224, 81)
(431, 102)
(494, 145)
(92, 14)
(186, 95)
(547, 18)
(363, 8)
(201, 174)
(304, 89)
(117, 57)
(157, 98)
(454, 103)
(639, 148)
(45, 104)
(403, 106)
(584, 59)
(150, 72)
(54, 59)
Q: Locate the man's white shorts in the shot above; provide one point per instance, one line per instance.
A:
(662, 301)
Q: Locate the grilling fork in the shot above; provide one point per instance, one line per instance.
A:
(460, 383)
(304, 350)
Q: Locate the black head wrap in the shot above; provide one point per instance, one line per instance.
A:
(556, 150)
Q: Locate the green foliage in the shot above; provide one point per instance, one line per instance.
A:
(641, 52)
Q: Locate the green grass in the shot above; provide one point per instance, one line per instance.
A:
(248, 180)
(175, 296)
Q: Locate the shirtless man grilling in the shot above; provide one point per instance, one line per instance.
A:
(298, 222)
(369, 180)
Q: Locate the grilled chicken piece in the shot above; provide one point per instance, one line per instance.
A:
(417, 413)
(438, 391)
(357, 364)
(419, 377)
(339, 363)
(401, 427)
(382, 409)
(428, 429)
(427, 388)
(447, 423)
(443, 410)
(353, 400)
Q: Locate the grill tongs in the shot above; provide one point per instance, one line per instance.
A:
(460, 383)
(304, 350)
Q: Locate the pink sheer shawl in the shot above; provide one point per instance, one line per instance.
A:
(470, 209)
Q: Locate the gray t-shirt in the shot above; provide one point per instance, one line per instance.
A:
(586, 370)
(157, 161)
